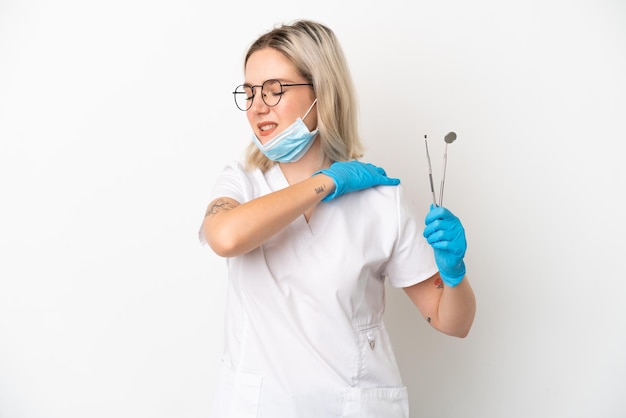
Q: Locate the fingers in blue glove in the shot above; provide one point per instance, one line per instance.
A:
(445, 233)
(350, 176)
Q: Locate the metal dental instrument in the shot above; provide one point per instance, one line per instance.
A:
(449, 138)
(430, 172)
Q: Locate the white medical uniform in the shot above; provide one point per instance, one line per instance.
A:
(304, 330)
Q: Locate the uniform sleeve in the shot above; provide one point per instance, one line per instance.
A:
(233, 183)
(412, 260)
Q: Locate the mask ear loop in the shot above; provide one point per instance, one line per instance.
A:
(310, 107)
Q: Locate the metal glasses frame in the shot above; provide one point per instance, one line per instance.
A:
(250, 99)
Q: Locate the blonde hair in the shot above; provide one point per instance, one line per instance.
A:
(317, 55)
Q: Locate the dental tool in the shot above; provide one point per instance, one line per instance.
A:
(430, 171)
(449, 138)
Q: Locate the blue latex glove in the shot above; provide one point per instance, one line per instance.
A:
(350, 176)
(446, 235)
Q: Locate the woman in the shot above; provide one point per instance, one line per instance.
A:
(310, 235)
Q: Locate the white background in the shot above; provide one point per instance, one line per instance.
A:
(116, 117)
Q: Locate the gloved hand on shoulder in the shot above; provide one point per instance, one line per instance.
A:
(446, 235)
(350, 176)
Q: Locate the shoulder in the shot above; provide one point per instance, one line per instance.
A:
(381, 202)
(388, 196)
(237, 182)
(237, 170)
(395, 203)
(234, 166)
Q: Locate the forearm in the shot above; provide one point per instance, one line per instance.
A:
(237, 230)
(457, 309)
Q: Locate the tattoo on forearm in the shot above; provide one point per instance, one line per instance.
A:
(439, 283)
(218, 206)
(320, 189)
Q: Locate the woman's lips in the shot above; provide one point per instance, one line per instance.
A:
(266, 129)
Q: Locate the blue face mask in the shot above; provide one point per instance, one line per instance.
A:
(291, 144)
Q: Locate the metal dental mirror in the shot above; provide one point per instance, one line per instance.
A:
(449, 138)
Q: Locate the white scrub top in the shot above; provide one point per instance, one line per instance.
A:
(304, 330)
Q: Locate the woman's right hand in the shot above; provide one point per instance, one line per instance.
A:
(350, 176)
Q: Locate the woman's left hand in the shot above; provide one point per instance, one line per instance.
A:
(446, 235)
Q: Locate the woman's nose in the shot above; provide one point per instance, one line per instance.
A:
(259, 105)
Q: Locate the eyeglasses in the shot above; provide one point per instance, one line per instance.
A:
(271, 93)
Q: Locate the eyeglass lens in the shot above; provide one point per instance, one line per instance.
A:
(271, 92)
